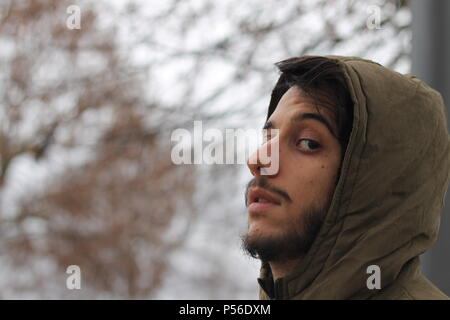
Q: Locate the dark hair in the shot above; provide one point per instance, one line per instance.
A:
(318, 77)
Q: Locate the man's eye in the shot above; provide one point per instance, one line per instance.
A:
(308, 144)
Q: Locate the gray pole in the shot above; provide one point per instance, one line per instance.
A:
(430, 62)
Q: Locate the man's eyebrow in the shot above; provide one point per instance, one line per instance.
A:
(302, 116)
(314, 116)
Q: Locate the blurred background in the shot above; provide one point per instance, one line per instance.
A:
(87, 108)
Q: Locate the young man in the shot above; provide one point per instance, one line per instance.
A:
(364, 164)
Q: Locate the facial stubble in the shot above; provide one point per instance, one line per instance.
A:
(292, 243)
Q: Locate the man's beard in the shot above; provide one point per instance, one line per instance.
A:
(293, 243)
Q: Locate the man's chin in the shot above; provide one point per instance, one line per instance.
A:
(264, 246)
(263, 241)
(262, 229)
(276, 246)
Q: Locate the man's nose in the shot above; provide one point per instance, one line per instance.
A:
(253, 164)
(260, 159)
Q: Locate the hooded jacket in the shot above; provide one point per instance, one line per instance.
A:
(387, 204)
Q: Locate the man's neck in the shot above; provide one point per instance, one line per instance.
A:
(281, 269)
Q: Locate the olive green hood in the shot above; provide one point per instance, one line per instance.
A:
(387, 204)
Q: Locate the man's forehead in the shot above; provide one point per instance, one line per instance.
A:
(295, 95)
(318, 103)
(295, 103)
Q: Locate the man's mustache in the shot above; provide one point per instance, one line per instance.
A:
(263, 183)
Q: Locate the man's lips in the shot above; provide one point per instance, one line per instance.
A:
(260, 200)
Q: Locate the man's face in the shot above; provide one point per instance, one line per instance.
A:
(300, 193)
